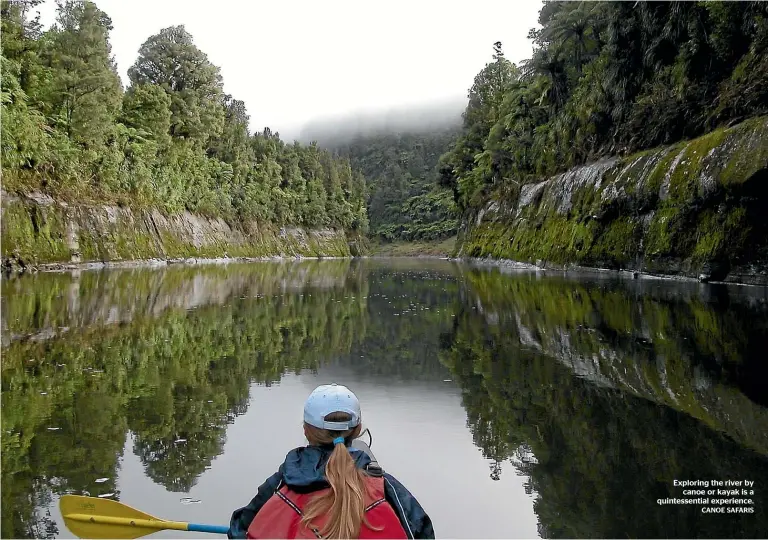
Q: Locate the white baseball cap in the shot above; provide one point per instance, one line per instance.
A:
(330, 398)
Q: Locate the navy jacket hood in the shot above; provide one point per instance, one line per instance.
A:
(305, 467)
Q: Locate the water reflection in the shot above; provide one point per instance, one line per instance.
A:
(585, 396)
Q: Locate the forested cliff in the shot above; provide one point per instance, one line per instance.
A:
(635, 82)
(173, 141)
(397, 150)
(404, 200)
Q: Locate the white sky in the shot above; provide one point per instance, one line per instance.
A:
(295, 60)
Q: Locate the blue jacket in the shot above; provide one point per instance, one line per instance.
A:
(304, 471)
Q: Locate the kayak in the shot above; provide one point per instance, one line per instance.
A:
(361, 445)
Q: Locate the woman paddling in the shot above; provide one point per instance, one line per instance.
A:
(328, 490)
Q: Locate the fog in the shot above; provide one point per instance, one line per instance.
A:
(414, 118)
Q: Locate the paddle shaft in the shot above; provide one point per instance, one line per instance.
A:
(216, 529)
(158, 524)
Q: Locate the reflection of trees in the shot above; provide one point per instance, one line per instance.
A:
(63, 440)
(693, 350)
(32, 517)
(176, 449)
(603, 456)
(175, 380)
(213, 355)
(46, 304)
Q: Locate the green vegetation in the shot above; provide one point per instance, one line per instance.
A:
(607, 78)
(667, 210)
(405, 203)
(174, 140)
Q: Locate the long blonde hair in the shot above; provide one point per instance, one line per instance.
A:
(344, 503)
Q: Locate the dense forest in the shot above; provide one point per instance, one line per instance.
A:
(173, 139)
(404, 202)
(607, 78)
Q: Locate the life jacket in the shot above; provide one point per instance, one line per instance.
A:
(281, 515)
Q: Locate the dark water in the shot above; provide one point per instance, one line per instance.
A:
(511, 404)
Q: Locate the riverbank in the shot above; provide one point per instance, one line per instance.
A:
(502, 264)
(40, 233)
(160, 263)
(575, 269)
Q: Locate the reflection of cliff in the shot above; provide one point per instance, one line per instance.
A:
(174, 378)
(680, 346)
(43, 305)
(597, 457)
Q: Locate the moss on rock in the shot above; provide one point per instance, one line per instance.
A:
(683, 209)
(36, 233)
(33, 233)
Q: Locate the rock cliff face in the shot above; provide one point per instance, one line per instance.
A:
(695, 209)
(38, 230)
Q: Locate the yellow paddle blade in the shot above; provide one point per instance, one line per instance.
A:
(90, 517)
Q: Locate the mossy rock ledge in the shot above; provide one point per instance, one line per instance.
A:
(696, 209)
(40, 231)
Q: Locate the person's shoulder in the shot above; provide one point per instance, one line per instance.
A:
(392, 478)
(297, 450)
(395, 487)
(296, 454)
(412, 514)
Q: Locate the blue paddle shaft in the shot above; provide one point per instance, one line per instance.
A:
(216, 529)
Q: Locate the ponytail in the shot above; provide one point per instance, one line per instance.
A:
(344, 503)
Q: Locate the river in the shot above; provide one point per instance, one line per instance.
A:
(512, 404)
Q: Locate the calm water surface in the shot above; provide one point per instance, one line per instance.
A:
(512, 404)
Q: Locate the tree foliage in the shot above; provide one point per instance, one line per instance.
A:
(171, 61)
(404, 202)
(608, 78)
(173, 140)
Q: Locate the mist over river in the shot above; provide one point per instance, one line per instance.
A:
(511, 403)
